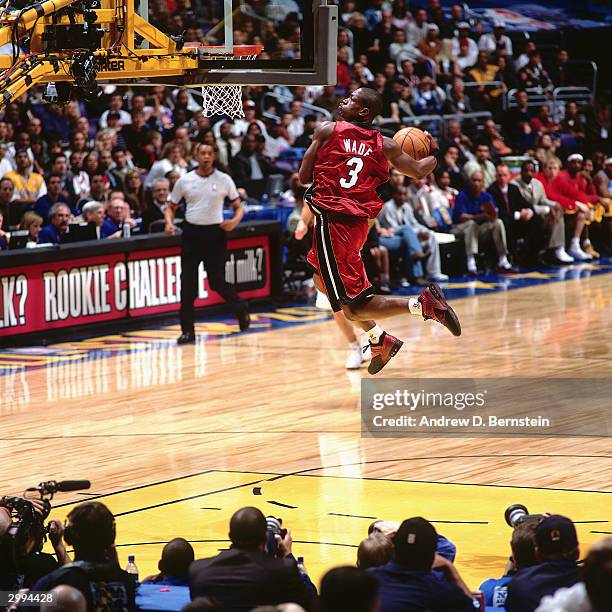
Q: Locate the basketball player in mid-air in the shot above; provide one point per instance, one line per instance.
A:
(346, 162)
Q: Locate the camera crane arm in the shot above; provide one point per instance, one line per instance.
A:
(79, 42)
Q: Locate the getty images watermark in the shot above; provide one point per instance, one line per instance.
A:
(499, 406)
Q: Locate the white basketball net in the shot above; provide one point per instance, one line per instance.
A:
(224, 99)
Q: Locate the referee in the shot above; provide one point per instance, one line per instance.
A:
(205, 236)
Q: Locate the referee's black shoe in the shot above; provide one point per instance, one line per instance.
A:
(186, 338)
(244, 319)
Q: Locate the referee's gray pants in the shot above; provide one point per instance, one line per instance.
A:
(208, 244)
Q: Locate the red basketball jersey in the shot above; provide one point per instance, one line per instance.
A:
(349, 168)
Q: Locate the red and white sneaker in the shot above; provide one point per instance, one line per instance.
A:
(434, 306)
(383, 351)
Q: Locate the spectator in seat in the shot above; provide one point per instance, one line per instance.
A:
(556, 552)
(457, 103)
(571, 128)
(135, 137)
(407, 582)
(496, 42)
(177, 555)
(29, 185)
(533, 74)
(296, 127)
(483, 72)
(464, 49)
(160, 196)
(114, 106)
(400, 49)
(560, 71)
(442, 194)
(90, 529)
(117, 215)
(431, 45)
(32, 223)
(523, 555)
(417, 30)
(120, 167)
(543, 123)
(328, 99)
(227, 144)
(53, 196)
(519, 217)
(303, 141)
(5, 164)
(250, 168)
(349, 589)
(374, 551)
(173, 158)
(65, 599)
(550, 212)
(428, 97)
(456, 137)
(475, 218)
(134, 192)
(482, 162)
(594, 593)
(59, 217)
(517, 122)
(603, 180)
(450, 164)
(495, 140)
(244, 577)
(396, 214)
(7, 191)
(98, 190)
(77, 180)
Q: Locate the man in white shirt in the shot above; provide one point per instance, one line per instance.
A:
(463, 48)
(398, 212)
(417, 30)
(483, 163)
(205, 236)
(296, 127)
(115, 104)
(496, 41)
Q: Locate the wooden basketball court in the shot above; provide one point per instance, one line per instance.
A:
(175, 439)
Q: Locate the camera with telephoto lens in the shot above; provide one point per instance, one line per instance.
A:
(274, 527)
(517, 514)
(27, 533)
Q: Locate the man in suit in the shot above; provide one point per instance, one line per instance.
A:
(245, 576)
(518, 216)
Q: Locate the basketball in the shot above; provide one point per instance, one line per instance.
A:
(413, 142)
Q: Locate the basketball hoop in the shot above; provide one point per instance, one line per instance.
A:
(226, 99)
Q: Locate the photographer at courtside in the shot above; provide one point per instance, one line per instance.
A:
(90, 530)
(204, 236)
(22, 536)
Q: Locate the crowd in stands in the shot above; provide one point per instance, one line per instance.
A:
(112, 162)
(399, 567)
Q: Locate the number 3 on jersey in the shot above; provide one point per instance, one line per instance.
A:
(357, 162)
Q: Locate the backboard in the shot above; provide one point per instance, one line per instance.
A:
(299, 39)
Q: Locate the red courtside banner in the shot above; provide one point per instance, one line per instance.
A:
(104, 288)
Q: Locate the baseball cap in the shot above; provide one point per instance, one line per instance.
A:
(556, 534)
(415, 540)
(575, 157)
(21, 150)
(499, 23)
(433, 27)
(463, 25)
(608, 161)
(248, 104)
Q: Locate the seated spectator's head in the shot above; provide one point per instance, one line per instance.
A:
(22, 141)
(456, 12)
(375, 550)
(248, 529)
(65, 599)
(482, 60)
(420, 16)
(556, 539)
(22, 160)
(138, 103)
(90, 530)
(490, 128)
(116, 102)
(426, 83)
(138, 120)
(442, 178)
(552, 168)
(453, 129)
(597, 575)
(226, 129)
(6, 131)
(571, 110)
(7, 189)
(451, 155)
(528, 171)
(133, 182)
(161, 190)
(250, 110)
(113, 120)
(433, 32)
(91, 162)
(607, 166)
(390, 70)
(458, 88)
(78, 141)
(295, 108)
(59, 216)
(399, 37)
(254, 129)
(76, 162)
(97, 186)
(106, 139)
(54, 184)
(32, 223)
(482, 152)
(522, 98)
(399, 195)
(60, 165)
(407, 68)
(499, 27)
(535, 59)
(523, 544)
(202, 604)
(415, 544)
(82, 124)
(249, 144)
(34, 127)
(348, 589)
(464, 30)
(503, 175)
(93, 212)
(476, 182)
(116, 195)
(574, 163)
(119, 157)
(176, 558)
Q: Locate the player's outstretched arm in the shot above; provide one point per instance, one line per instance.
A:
(319, 138)
(404, 163)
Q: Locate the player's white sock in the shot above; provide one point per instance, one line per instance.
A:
(414, 306)
(575, 243)
(375, 333)
(471, 263)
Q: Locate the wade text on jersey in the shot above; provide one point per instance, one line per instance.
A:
(352, 147)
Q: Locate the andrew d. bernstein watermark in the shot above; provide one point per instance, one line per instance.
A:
(500, 406)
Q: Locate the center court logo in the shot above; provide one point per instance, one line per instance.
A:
(404, 398)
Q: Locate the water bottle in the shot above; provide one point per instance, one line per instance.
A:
(126, 230)
(131, 568)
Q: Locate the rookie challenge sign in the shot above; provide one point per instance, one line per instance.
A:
(109, 287)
